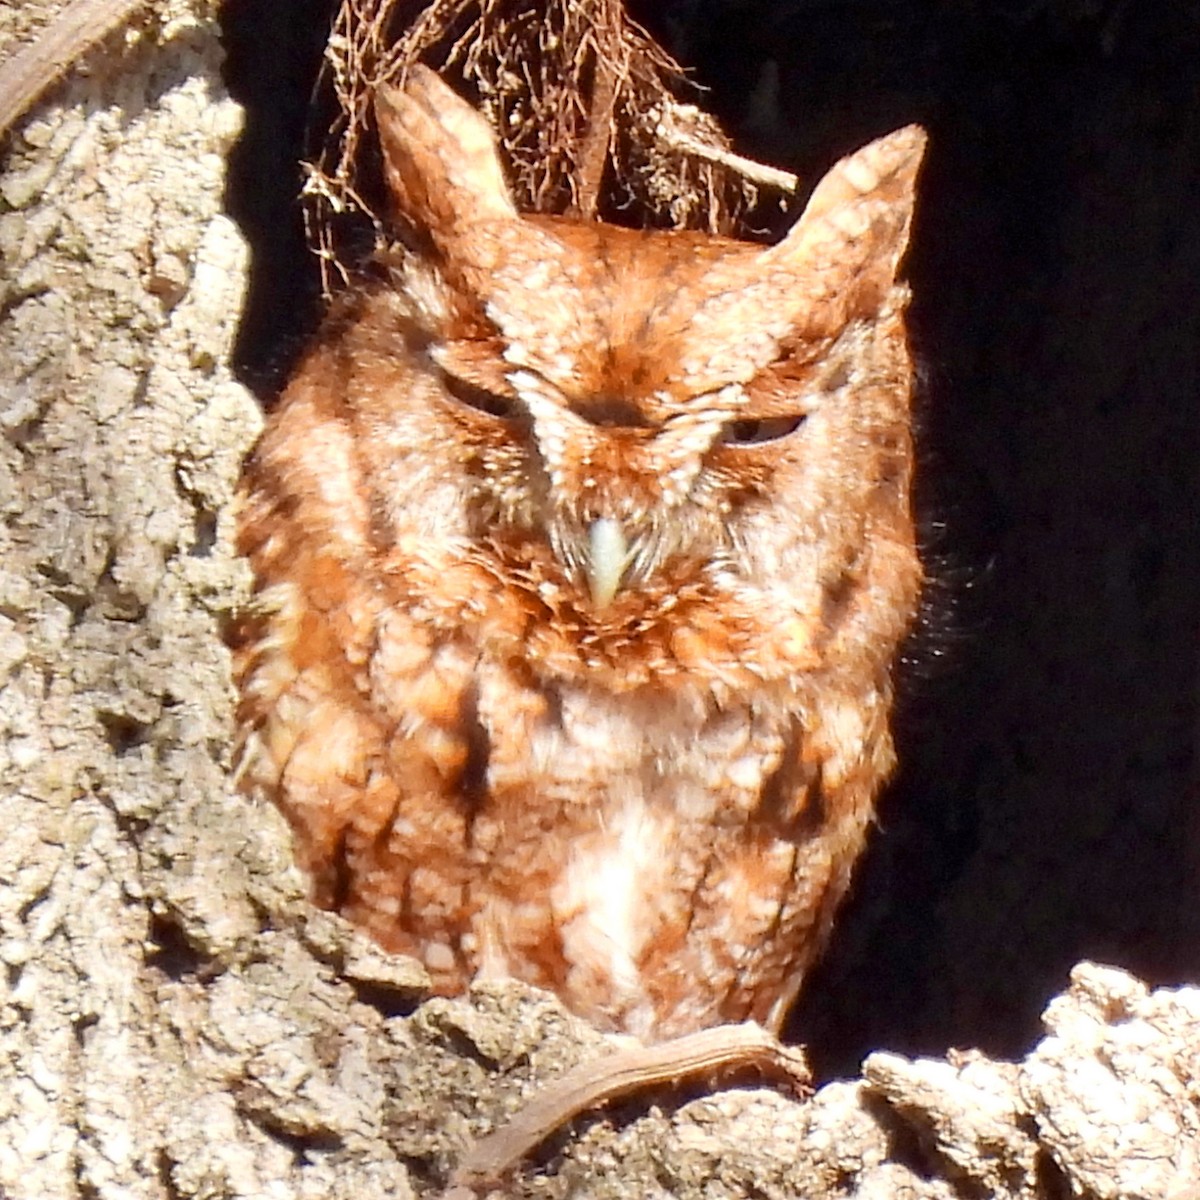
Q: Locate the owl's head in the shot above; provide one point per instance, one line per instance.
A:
(654, 409)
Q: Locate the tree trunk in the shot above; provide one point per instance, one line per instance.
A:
(175, 1020)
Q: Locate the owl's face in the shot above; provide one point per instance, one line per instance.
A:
(627, 417)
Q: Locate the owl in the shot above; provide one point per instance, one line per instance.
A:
(582, 558)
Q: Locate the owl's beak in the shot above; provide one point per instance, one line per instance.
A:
(608, 556)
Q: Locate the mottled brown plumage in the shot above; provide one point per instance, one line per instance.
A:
(583, 555)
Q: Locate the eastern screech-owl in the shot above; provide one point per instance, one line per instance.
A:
(583, 554)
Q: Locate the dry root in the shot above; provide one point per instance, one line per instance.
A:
(585, 102)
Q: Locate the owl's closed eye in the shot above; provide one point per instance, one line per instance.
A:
(582, 555)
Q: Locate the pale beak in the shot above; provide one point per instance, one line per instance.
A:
(608, 556)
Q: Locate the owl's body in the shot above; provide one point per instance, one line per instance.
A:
(583, 555)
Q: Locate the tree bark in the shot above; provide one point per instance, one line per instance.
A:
(175, 1020)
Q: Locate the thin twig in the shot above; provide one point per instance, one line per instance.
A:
(603, 1080)
(671, 133)
(52, 53)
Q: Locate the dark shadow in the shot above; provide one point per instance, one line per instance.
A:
(273, 53)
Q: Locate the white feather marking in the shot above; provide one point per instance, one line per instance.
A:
(603, 894)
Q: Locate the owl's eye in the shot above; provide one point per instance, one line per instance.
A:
(495, 404)
(750, 431)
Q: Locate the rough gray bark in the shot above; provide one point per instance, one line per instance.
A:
(174, 1020)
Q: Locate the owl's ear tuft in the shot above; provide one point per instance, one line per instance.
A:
(440, 157)
(857, 218)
